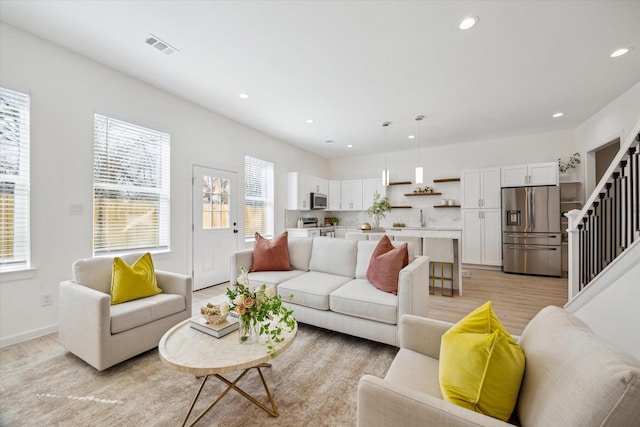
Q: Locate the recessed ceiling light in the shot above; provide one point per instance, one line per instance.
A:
(620, 52)
(349, 146)
(411, 136)
(309, 120)
(329, 141)
(244, 95)
(558, 114)
(468, 22)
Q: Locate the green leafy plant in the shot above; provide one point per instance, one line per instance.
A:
(380, 205)
(262, 305)
(573, 162)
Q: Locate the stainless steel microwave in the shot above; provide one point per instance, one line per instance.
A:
(318, 201)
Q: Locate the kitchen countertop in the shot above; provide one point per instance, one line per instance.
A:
(428, 228)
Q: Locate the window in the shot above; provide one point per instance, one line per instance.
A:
(15, 250)
(130, 187)
(215, 202)
(258, 197)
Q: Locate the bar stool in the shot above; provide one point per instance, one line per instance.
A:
(439, 251)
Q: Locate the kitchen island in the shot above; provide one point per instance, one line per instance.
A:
(440, 232)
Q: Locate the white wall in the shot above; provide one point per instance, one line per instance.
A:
(447, 162)
(610, 305)
(615, 120)
(66, 89)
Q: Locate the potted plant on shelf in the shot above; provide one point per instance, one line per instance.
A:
(378, 208)
(572, 163)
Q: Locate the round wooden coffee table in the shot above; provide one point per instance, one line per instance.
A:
(189, 350)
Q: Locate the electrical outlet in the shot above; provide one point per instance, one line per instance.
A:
(46, 299)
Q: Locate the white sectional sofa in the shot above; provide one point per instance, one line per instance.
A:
(330, 290)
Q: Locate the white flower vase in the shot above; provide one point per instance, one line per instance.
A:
(249, 331)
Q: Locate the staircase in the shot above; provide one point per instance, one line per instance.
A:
(604, 251)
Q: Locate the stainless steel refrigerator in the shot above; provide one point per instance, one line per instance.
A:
(531, 240)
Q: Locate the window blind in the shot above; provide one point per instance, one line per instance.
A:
(258, 197)
(130, 187)
(15, 246)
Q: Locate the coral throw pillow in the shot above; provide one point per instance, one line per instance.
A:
(129, 282)
(481, 365)
(385, 265)
(271, 256)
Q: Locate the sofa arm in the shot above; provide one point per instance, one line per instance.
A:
(84, 320)
(239, 259)
(174, 283)
(413, 288)
(422, 335)
(383, 403)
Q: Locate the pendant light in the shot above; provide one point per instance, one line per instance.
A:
(419, 174)
(385, 171)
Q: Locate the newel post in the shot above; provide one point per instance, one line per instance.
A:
(573, 254)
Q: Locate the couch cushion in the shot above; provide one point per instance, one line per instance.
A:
(360, 299)
(575, 378)
(416, 371)
(271, 255)
(481, 365)
(129, 282)
(385, 265)
(300, 252)
(131, 314)
(272, 277)
(334, 256)
(365, 250)
(96, 272)
(311, 289)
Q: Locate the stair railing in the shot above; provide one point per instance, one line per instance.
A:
(610, 220)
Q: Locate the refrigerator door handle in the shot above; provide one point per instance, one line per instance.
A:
(534, 248)
(539, 236)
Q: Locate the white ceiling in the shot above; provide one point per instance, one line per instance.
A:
(350, 65)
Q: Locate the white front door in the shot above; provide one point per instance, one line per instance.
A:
(214, 227)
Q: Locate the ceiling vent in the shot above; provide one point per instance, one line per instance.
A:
(161, 45)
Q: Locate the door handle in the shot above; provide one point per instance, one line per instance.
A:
(235, 231)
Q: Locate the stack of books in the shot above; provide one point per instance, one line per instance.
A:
(217, 330)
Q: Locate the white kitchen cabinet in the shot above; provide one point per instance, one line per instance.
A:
(318, 185)
(481, 236)
(335, 194)
(300, 187)
(480, 188)
(370, 187)
(530, 175)
(298, 191)
(303, 232)
(351, 195)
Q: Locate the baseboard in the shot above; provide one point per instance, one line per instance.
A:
(25, 336)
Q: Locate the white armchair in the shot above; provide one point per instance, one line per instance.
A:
(104, 335)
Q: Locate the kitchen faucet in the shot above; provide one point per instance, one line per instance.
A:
(421, 219)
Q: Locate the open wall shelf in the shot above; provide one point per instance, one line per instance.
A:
(400, 183)
(447, 180)
(423, 194)
(446, 206)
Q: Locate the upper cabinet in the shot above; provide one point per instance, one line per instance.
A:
(300, 187)
(318, 185)
(370, 187)
(480, 188)
(351, 195)
(530, 175)
(335, 195)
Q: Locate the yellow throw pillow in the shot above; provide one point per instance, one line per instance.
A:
(133, 282)
(481, 365)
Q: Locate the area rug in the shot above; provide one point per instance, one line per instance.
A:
(314, 383)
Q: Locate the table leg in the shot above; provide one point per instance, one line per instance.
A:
(273, 411)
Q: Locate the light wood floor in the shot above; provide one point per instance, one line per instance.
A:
(516, 299)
